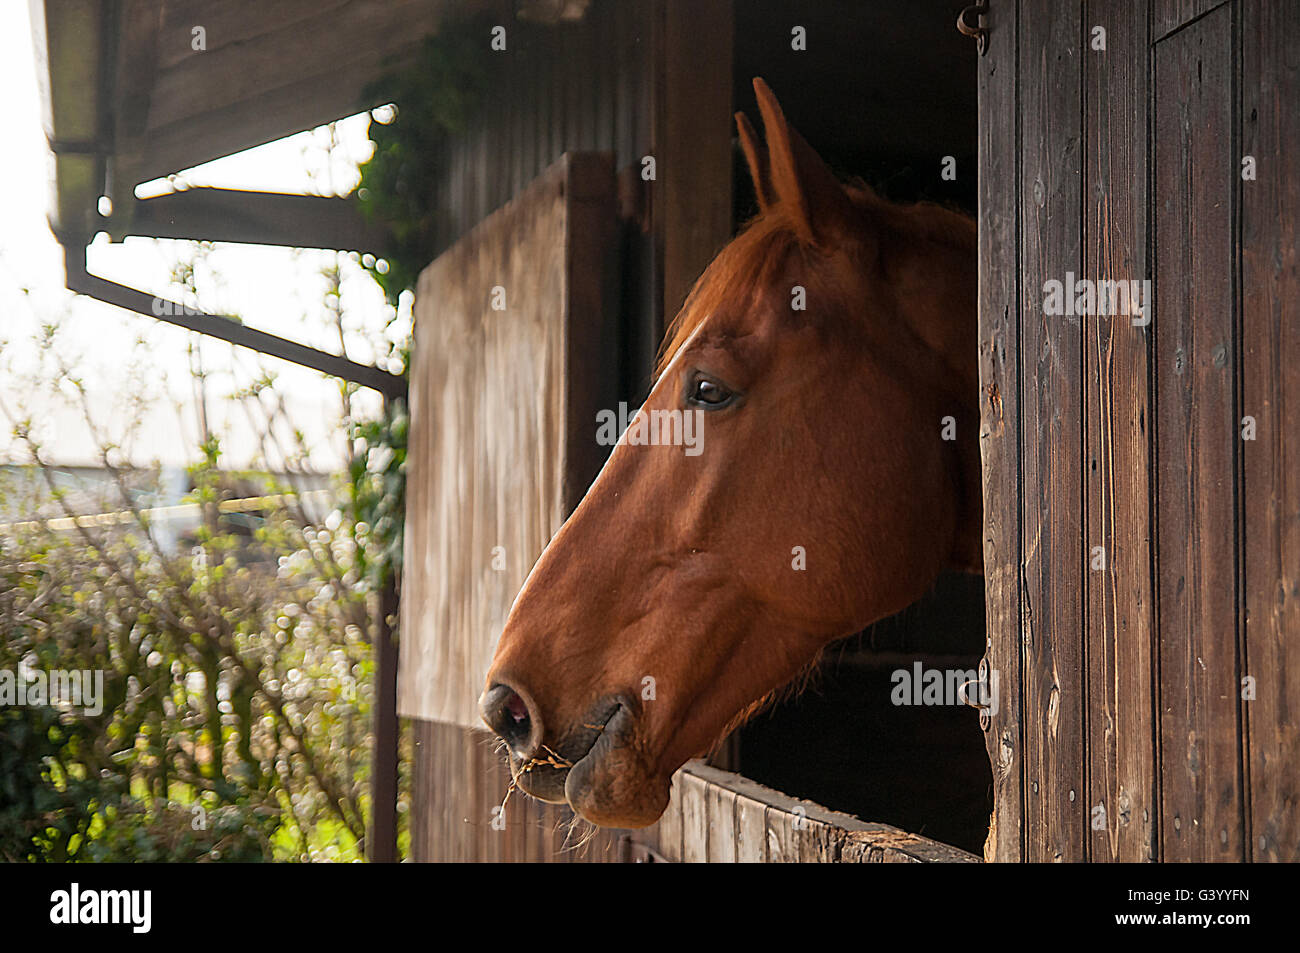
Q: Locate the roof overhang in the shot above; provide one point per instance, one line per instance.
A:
(135, 90)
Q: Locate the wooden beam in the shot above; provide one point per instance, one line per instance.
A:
(229, 329)
(717, 816)
(260, 218)
(381, 839)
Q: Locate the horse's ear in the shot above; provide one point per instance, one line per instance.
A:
(756, 157)
(799, 179)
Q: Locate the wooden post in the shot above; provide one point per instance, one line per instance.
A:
(694, 129)
(381, 842)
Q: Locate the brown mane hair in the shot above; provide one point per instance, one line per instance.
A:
(764, 246)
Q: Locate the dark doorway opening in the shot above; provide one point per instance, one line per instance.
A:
(885, 92)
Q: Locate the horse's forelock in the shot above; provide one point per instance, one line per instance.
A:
(752, 261)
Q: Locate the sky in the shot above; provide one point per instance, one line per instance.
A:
(128, 361)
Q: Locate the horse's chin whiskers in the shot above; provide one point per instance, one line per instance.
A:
(577, 822)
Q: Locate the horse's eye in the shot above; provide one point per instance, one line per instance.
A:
(708, 393)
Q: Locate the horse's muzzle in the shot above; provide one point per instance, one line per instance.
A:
(543, 769)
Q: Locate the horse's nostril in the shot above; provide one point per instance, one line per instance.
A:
(508, 714)
(516, 708)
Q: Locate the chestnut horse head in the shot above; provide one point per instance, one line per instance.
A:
(820, 354)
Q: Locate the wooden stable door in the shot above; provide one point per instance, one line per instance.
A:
(1142, 469)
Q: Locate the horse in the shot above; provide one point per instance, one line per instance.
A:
(829, 354)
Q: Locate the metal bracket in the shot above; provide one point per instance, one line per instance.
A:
(980, 29)
(985, 717)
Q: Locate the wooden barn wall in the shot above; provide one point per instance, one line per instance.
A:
(503, 410)
(584, 86)
(1129, 733)
(460, 812)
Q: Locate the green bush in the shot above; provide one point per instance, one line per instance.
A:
(237, 668)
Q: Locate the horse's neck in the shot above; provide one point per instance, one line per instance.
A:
(936, 274)
(936, 264)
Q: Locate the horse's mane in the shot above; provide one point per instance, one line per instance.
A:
(764, 246)
(752, 260)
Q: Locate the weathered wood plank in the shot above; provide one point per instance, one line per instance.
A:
(751, 830)
(1051, 419)
(503, 168)
(1270, 336)
(999, 355)
(575, 100)
(776, 827)
(881, 843)
(626, 52)
(668, 839)
(605, 20)
(262, 78)
(509, 844)
(695, 818)
(1169, 15)
(1200, 730)
(419, 821)
(591, 292)
(728, 817)
(474, 815)
(721, 807)
(815, 842)
(1121, 757)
